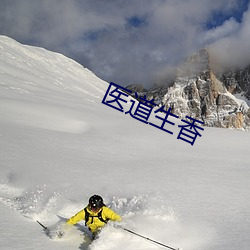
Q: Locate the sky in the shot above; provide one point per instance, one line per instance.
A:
(132, 41)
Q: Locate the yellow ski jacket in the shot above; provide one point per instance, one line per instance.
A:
(94, 223)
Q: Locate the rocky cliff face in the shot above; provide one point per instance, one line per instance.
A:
(237, 81)
(200, 93)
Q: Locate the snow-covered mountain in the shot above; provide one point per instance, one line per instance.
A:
(59, 144)
(219, 99)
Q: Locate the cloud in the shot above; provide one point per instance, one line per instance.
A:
(124, 41)
(233, 49)
(228, 28)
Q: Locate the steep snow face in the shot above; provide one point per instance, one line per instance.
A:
(38, 69)
(30, 74)
(59, 145)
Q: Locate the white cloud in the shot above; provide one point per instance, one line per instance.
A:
(97, 33)
(228, 28)
(233, 50)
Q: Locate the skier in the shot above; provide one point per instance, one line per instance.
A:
(95, 214)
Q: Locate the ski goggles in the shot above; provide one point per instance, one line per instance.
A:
(94, 208)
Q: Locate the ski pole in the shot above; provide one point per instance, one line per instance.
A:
(146, 238)
(45, 228)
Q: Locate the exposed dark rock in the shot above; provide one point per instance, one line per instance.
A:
(200, 93)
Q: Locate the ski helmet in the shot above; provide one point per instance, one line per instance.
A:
(95, 202)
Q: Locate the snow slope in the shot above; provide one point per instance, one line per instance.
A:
(59, 145)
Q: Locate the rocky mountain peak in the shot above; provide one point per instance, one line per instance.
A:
(200, 93)
(136, 87)
(237, 81)
(197, 64)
